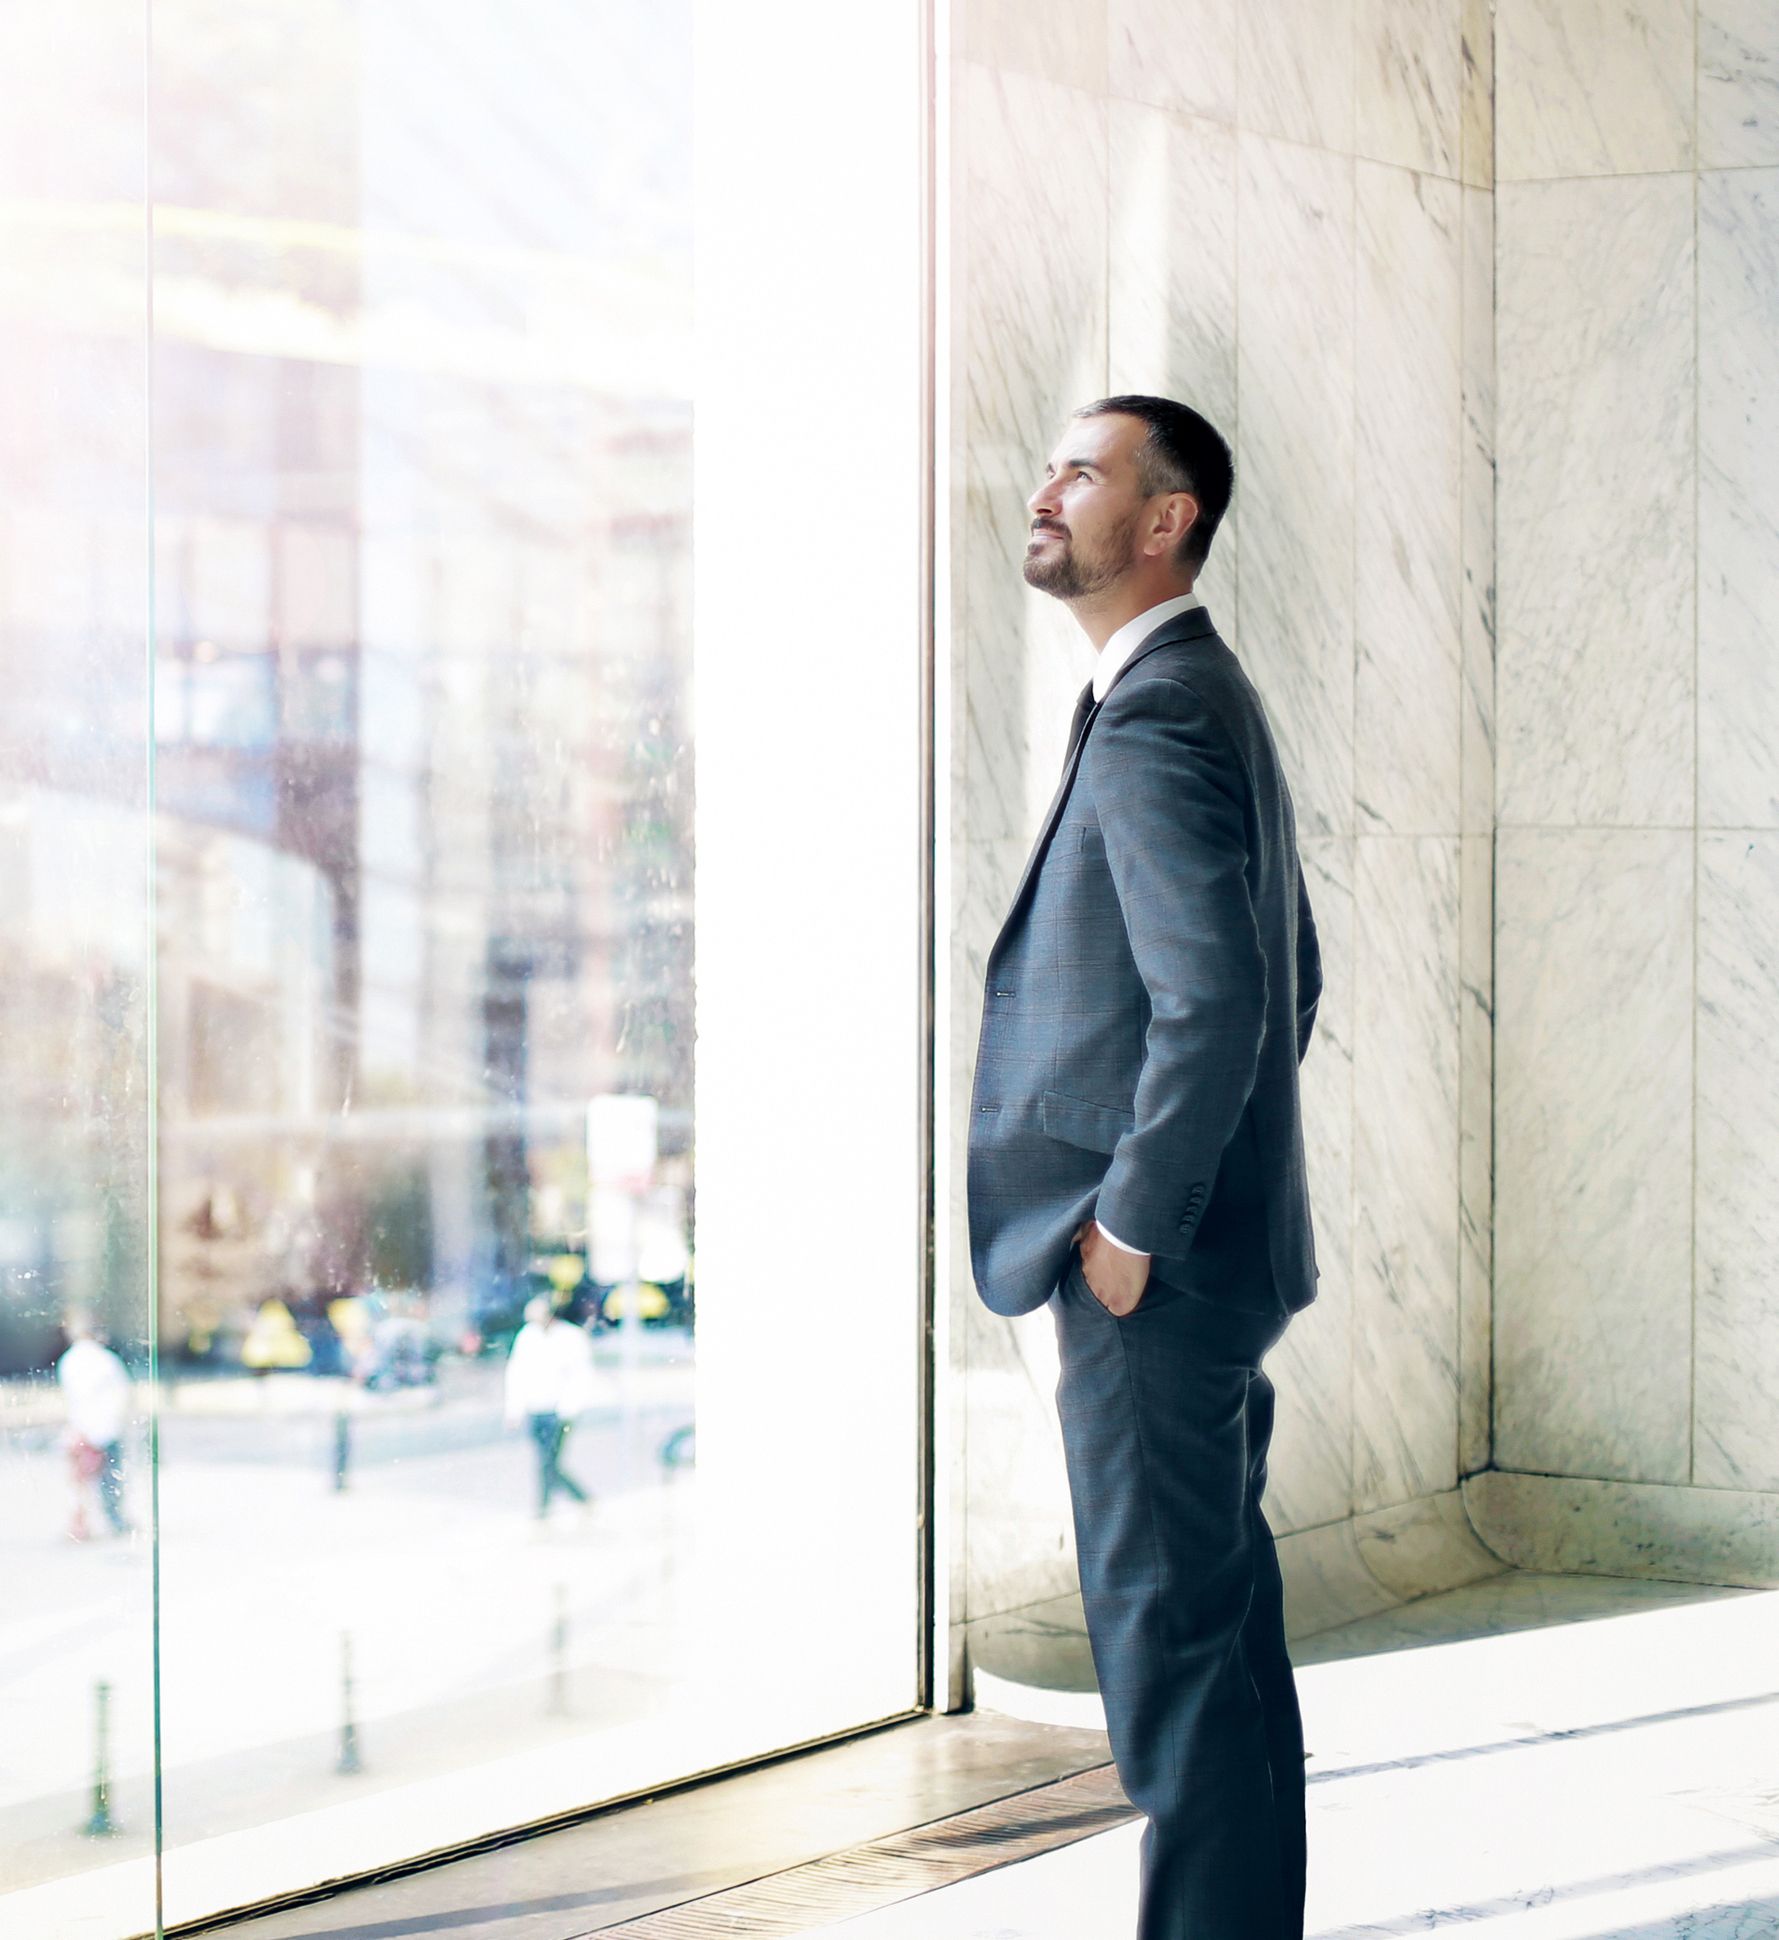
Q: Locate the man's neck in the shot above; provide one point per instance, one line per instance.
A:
(1100, 615)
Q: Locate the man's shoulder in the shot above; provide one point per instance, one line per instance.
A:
(1196, 676)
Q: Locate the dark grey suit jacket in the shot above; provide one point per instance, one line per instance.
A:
(1149, 1000)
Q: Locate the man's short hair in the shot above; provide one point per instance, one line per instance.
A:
(1183, 452)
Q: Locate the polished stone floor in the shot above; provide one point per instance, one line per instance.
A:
(1541, 1758)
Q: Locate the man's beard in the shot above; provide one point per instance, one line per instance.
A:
(1067, 575)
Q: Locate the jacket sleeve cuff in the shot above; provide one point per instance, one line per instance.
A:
(1123, 1246)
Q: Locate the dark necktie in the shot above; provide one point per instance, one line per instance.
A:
(1083, 707)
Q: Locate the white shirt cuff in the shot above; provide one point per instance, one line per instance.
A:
(1120, 1244)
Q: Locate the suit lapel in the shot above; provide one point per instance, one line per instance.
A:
(1190, 625)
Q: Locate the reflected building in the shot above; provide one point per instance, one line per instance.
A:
(421, 678)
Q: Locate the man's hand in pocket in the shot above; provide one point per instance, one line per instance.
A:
(1116, 1278)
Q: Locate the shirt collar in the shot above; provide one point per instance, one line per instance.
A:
(1131, 635)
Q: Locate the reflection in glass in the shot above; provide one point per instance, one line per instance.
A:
(424, 861)
(364, 767)
(76, 1713)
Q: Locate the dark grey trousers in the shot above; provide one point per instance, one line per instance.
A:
(1165, 1422)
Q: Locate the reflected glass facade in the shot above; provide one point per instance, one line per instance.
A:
(392, 1014)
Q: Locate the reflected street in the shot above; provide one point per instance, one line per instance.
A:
(474, 1629)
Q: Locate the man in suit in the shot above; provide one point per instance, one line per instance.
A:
(1136, 1161)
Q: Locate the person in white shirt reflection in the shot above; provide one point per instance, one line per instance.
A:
(549, 1380)
(95, 1388)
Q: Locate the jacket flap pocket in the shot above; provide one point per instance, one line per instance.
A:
(1076, 1122)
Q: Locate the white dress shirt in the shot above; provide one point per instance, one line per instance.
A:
(550, 1371)
(1112, 657)
(1131, 635)
(96, 1387)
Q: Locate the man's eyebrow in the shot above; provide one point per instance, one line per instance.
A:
(1077, 464)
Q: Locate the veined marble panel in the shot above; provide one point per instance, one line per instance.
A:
(1592, 87)
(990, 869)
(1177, 54)
(1476, 1147)
(1013, 1519)
(1058, 40)
(1593, 1186)
(1021, 1545)
(1420, 1547)
(1478, 108)
(1326, 1582)
(1594, 684)
(1555, 1522)
(1739, 499)
(1409, 82)
(1295, 78)
(1477, 491)
(1294, 463)
(1031, 244)
(1736, 1325)
(1171, 273)
(1170, 321)
(1405, 1170)
(1311, 1464)
(1738, 83)
(1407, 511)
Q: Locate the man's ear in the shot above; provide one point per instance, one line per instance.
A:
(1178, 515)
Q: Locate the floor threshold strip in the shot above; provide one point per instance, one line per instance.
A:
(899, 1867)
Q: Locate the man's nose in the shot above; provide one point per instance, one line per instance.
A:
(1042, 501)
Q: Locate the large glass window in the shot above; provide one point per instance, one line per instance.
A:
(460, 810)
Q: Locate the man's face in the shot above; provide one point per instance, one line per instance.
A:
(1084, 516)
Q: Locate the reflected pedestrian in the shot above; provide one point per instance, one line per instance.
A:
(95, 1388)
(549, 1380)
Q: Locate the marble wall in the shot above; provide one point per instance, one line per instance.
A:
(1637, 940)
(1281, 211)
(1385, 243)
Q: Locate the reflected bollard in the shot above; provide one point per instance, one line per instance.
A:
(342, 1448)
(559, 1654)
(100, 1825)
(350, 1761)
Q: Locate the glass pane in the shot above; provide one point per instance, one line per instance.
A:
(76, 1664)
(446, 777)
(413, 782)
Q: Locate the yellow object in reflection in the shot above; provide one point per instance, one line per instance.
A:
(645, 1300)
(566, 1270)
(273, 1340)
